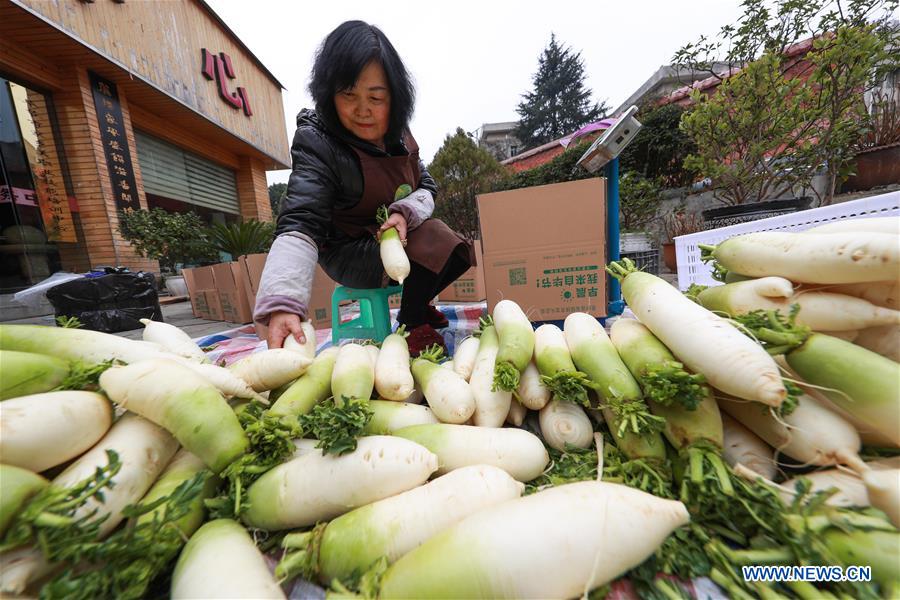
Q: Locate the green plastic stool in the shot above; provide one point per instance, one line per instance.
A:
(374, 320)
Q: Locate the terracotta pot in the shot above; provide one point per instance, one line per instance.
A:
(669, 256)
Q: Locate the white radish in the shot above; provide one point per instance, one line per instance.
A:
(819, 309)
(516, 451)
(884, 340)
(353, 376)
(144, 450)
(308, 347)
(491, 402)
(565, 423)
(393, 255)
(532, 393)
(859, 225)
(271, 369)
(393, 378)
(464, 357)
(176, 398)
(517, 413)
(373, 352)
(449, 395)
(415, 397)
(84, 345)
(851, 489)
(701, 340)
(879, 293)
(846, 257)
(562, 542)
(516, 344)
(20, 567)
(172, 339)
(44, 430)
(883, 490)
(312, 387)
(554, 361)
(315, 487)
(744, 447)
(811, 433)
(389, 416)
(224, 380)
(394, 526)
(448, 364)
(222, 561)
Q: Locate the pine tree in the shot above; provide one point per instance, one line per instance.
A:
(559, 103)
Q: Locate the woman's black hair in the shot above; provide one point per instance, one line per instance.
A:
(339, 61)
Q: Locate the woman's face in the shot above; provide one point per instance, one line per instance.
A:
(365, 108)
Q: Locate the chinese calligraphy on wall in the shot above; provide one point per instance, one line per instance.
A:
(115, 143)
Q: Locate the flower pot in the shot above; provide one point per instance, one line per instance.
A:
(176, 285)
(714, 218)
(669, 258)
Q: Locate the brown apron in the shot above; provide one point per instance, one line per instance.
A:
(430, 244)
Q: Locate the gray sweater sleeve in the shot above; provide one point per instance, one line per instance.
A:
(287, 278)
(415, 208)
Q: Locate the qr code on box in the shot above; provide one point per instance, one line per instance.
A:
(517, 276)
(320, 314)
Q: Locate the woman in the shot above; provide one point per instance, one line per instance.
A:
(350, 156)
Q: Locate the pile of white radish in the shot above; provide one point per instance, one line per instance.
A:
(466, 472)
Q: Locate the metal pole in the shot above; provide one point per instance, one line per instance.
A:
(616, 304)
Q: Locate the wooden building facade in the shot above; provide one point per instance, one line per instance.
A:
(107, 105)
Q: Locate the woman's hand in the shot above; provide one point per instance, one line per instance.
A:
(281, 325)
(398, 221)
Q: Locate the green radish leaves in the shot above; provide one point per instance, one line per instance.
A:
(573, 464)
(85, 377)
(127, 562)
(669, 383)
(570, 386)
(301, 557)
(49, 520)
(337, 427)
(270, 445)
(506, 377)
(634, 415)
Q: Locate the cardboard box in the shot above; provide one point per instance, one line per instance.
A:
(214, 303)
(231, 297)
(320, 299)
(545, 248)
(470, 285)
(200, 280)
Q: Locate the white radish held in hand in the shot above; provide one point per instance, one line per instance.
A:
(393, 378)
(308, 347)
(393, 255)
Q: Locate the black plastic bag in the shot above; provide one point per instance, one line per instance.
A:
(113, 302)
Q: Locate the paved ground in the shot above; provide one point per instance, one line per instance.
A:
(178, 314)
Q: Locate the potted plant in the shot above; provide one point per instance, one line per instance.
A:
(677, 224)
(638, 202)
(238, 239)
(173, 239)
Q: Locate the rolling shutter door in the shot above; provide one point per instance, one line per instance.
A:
(171, 172)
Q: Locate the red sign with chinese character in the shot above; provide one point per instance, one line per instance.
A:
(219, 67)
